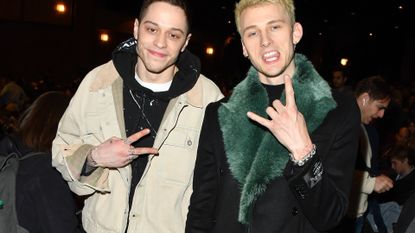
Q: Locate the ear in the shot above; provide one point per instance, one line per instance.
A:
(136, 26)
(366, 96)
(244, 51)
(186, 42)
(363, 98)
(297, 33)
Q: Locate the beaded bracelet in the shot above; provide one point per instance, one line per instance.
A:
(302, 161)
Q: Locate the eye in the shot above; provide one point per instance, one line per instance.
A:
(151, 29)
(251, 33)
(275, 27)
(175, 36)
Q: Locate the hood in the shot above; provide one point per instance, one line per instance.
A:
(125, 59)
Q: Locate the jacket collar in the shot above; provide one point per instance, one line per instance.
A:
(254, 156)
(107, 75)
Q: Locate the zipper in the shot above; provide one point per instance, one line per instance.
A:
(174, 126)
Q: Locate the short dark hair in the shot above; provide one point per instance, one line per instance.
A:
(340, 69)
(401, 152)
(375, 86)
(179, 3)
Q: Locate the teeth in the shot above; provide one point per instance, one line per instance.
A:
(270, 56)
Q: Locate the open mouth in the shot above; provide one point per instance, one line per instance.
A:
(270, 56)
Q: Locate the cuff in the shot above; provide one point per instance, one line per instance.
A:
(98, 179)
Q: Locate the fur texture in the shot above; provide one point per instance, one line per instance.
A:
(254, 155)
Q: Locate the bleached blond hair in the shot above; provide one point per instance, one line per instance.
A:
(244, 4)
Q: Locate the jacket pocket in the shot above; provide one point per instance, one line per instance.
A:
(177, 157)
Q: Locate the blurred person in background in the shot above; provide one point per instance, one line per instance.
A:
(12, 96)
(402, 158)
(373, 95)
(339, 81)
(44, 203)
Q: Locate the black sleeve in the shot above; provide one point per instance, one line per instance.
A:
(201, 213)
(323, 184)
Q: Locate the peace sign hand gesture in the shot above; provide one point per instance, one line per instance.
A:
(116, 152)
(287, 124)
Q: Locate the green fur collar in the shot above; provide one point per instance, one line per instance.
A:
(254, 155)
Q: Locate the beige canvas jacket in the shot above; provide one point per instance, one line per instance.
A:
(162, 196)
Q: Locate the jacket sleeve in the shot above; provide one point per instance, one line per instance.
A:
(322, 185)
(69, 148)
(365, 181)
(200, 217)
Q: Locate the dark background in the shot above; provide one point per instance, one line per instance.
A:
(39, 44)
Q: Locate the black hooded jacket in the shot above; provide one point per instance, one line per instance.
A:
(144, 108)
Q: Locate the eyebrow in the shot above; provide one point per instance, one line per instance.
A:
(248, 28)
(268, 23)
(157, 25)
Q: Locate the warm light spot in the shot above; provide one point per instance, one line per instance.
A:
(104, 37)
(228, 40)
(210, 50)
(344, 61)
(60, 8)
(400, 7)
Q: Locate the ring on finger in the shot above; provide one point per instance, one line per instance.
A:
(132, 157)
(127, 141)
(131, 150)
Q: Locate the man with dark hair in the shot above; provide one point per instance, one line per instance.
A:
(339, 80)
(373, 97)
(138, 182)
(402, 162)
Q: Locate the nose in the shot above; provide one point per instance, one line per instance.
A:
(160, 40)
(265, 40)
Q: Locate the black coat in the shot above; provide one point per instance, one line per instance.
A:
(298, 201)
(401, 191)
(44, 202)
